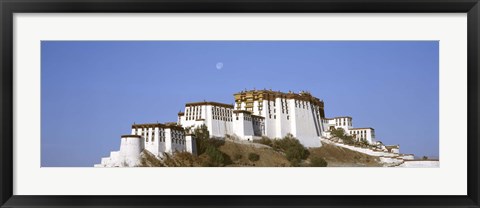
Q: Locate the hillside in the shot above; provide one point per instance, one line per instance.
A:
(342, 157)
(231, 153)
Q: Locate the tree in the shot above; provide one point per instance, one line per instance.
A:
(202, 132)
(294, 151)
(202, 135)
(215, 156)
(340, 133)
(364, 142)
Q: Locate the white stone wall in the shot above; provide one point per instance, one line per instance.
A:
(407, 157)
(178, 141)
(363, 150)
(150, 143)
(168, 141)
(330, 122)
(258, 123)
(243, 127)
(191, 144)
(343, 122)
(281, 122)
(194, 116)
(154, 138)
(130, 149)
(181, 120)
(219, 121)
(270, 117)
(112, 161)
(363, 133)
(238, 125)
(285, 116)
(395, 150)
(247, 124)
(305, 126)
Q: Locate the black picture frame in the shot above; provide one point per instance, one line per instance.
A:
(9, 7)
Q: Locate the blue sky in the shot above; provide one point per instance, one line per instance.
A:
(92, 91)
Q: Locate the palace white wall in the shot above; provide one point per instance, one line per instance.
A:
(258, 123)
(191, 144)
(343, 122)
(238, 125)
(168, 141)
(281, 121)
(192, 123)
(177, 141)
(305, 129)
(243, 127)
(363, 133)
(154, 139)
(395, 150)
(281, 117)
(130, 149)
(150, 143)
(270, 115)
(194, 116)
(219, 121)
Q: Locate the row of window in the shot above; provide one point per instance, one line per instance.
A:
(343, 122)
(193, 112)
(192, 118)
(217, 111)
(145, 132)
(360, 133)
(301, 104)
(162, 139)
(223, 114)
(161, 134)
(221, 118)
(178, 141)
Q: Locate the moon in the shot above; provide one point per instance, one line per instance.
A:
(219, 65)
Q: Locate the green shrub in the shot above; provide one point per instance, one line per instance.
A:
(202, 136)
(215, 156)
(318, 162)
(294, 151)
(253, 157)
(264, 140)
(340, 133)
(203, 140)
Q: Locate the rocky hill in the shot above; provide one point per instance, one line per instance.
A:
(234, 153)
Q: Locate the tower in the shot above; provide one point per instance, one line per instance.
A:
(131, 147)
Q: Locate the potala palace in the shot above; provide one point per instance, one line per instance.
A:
(254, 114)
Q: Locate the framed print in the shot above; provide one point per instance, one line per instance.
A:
(247, 104)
